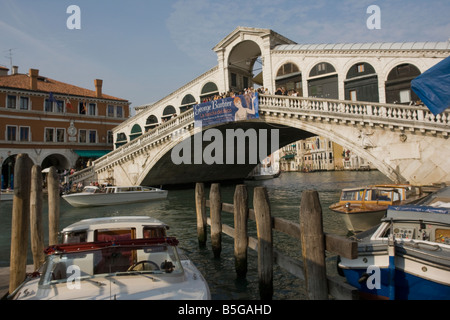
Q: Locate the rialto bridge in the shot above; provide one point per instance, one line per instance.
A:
(357, 95)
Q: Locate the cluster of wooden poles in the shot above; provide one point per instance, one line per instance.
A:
(27, 217)
(314, 242)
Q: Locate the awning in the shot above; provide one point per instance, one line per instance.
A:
(288, 156)
(432, 87)
(91, 153)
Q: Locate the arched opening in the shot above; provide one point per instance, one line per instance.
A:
(56, 160)
(8, 172)
(398, 84)
(136, 131)
(289, 77)
(361, 83)
(241, 66)
(187, 103)
(121, 139)
(168, 113)
(209, 90)
(323, 82)
(152, 122)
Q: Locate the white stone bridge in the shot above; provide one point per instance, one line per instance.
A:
(406, 143)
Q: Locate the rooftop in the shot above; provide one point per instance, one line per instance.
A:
(367, 46)
(21, 81)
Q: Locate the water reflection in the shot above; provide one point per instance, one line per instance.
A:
(178, 211)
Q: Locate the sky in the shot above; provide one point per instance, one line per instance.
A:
(146, 49)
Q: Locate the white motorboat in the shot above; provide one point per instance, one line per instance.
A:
(109, 262)
(407, 257)
(112, 195)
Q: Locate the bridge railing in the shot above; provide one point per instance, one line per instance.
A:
(416, 117)
(163, 130)
(419, 116)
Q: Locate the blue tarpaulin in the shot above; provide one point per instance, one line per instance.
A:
(433, 87)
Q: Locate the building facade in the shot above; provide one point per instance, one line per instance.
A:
(55, 123)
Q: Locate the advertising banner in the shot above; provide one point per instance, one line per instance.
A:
(239, 107)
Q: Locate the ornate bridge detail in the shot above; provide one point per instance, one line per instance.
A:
(406, 143)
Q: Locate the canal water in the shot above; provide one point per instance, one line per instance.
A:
(178, 211)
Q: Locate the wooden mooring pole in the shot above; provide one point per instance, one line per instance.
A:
(200, 205)
(314, 242)
(53, 206)
(313, 246)
(240, 228)
(265, 247)
(37, 231)
(216, 219)
(20, 221)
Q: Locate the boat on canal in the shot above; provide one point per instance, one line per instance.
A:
(407, 257)
(92, 196)
(363, 208)
(116, 258)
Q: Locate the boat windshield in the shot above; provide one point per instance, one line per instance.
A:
(113, 260)
(352, 195)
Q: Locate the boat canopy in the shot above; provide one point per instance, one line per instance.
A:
(418, 213)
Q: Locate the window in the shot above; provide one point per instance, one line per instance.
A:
(11, 133)
(81, 108)
(119, 112)
(405, 96)
(24, 134)
(60, 106)
(48, 105)
(82, 136)
(49, 135)
(92, 136)
(110, 137)
(110, 111)
(92, 109)
(233, 79)
(60, 135)
(23, 103)
(353, 95)
(11, 102)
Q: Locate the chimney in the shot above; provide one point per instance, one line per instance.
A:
(34, 73)
(98, 87)
(15, 70)
(3, 71)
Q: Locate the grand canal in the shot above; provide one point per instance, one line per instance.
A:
(178, 211)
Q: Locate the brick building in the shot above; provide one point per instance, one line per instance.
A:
(55, 123)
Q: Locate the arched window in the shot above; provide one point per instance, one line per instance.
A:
(168, 113)
(187, 103)
(361, 83)
(152, 122)
(136, 131)
(324, 83)
(209, 90)
(289, 77)
(398, 84)
(121, 139)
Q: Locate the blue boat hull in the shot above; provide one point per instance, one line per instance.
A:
(407, 286)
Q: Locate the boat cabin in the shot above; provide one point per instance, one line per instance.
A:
(379, 195)
(113, 229)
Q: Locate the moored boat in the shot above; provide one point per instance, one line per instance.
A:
(407, 256)
(103, 259)
(112, 195)
(363, 208)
